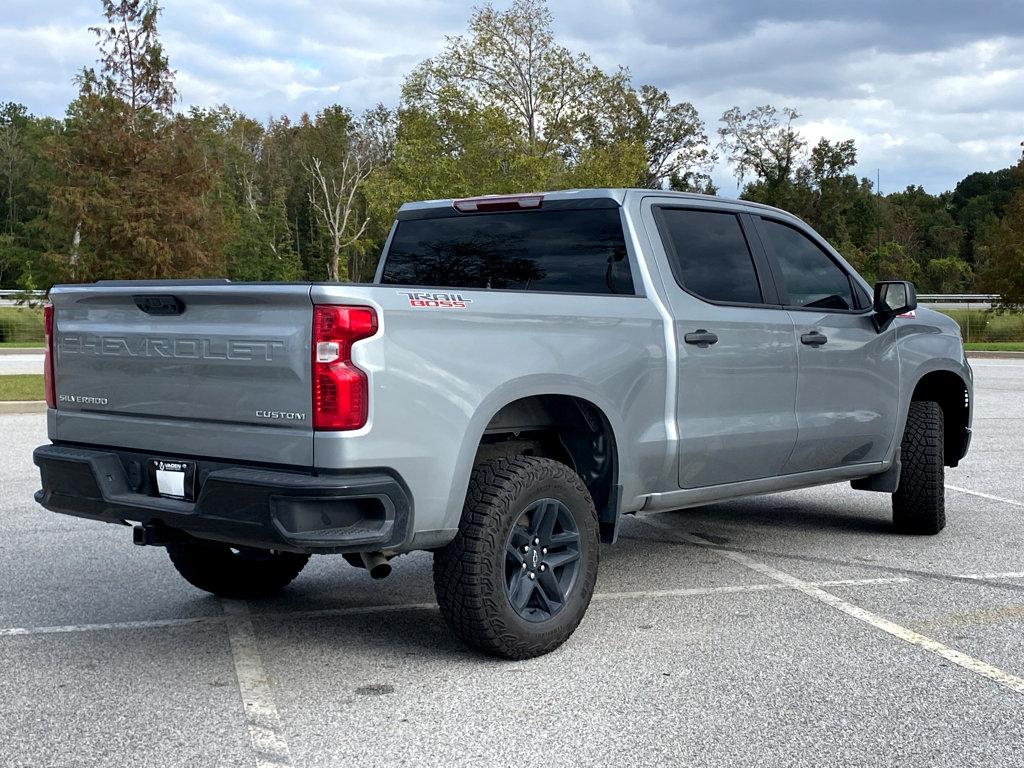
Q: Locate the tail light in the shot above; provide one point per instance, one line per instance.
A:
(48, 382)
(341, 392)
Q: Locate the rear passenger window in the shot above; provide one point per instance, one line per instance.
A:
(576, 251)
(709, 255)
(809, 275)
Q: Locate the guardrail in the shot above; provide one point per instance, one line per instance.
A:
(14, 296)
(959, 298)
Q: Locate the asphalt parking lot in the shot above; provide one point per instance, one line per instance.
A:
(791, 629)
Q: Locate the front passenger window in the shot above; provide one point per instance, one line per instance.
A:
(809, 275)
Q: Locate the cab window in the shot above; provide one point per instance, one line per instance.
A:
(709, 255)
(804, 271)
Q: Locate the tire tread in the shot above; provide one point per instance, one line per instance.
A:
(919, 503)
(463, 578)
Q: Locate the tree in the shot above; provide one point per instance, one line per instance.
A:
(887, 262)
(26, 180)
(337, 163)
(509, 60)
(132, 198)
(13, 158)
(948, 274)
(251, 189)
(829, 194)
(1001, 250)
(379, 130)
(673, 136)
(133, 67)
(332, 196)
(763, 143)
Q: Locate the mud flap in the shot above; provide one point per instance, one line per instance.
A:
(886, 482)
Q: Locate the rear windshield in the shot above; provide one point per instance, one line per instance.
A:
(580, 252)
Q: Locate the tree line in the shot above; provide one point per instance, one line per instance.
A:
(125, 186)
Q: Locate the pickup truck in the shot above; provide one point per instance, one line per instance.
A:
(523, 371)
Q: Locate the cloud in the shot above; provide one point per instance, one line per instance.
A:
(929, 94)
(928, 97)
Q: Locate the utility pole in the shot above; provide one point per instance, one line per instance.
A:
(878, 210)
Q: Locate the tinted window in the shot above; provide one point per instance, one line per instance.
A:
(568, 251)
(809, 275)
(710, 256)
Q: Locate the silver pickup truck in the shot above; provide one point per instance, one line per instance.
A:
(523, 371)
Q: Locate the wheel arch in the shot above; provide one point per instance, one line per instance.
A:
(563, 421)
(952, 393)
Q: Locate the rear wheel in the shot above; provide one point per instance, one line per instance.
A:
(518, 577)
(919, 503)
(235, 572)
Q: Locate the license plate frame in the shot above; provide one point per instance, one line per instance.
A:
(172, 479)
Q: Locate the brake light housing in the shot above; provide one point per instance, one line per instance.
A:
(498, 203)
(341, 391)
(48, 357)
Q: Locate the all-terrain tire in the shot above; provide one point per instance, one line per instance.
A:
(235, 572)
(919, 503)
(471, 573)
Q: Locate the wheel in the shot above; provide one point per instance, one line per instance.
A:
(235, 572)
(919, 503)
(518, 577)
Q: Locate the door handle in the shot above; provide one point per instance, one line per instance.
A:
(701, 337)
(813, 338)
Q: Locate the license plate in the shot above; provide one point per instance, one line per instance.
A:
(172, 478)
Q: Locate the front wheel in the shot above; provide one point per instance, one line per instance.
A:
(518, 577)
(235, 572)
(919, 503)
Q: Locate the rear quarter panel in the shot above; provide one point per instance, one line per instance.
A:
(438, 375)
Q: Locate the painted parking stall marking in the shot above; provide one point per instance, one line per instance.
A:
(965, 661)
(262, 718)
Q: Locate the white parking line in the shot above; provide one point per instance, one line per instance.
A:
(130, 625)
(974, 665)
(345, 611)
(262, 718)
(993, 497)
(693, 591)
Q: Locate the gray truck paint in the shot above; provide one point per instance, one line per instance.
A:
(756, 412)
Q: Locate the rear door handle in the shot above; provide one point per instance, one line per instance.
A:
(701, 337)
(813, 338)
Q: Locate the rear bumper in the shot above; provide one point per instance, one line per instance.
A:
(242, 505)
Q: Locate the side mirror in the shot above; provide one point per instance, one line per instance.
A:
(892, 298)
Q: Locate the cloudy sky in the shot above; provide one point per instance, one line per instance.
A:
(930, 90)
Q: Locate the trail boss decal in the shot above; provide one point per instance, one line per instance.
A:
(441, 300)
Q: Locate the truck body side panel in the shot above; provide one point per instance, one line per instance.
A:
(438, 375)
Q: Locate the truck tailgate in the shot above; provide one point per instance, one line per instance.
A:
(211, 369)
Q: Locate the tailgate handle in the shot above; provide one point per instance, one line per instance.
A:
(159, 304)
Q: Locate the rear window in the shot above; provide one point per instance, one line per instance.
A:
(579, 252)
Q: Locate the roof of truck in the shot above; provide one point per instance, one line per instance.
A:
(614, 196)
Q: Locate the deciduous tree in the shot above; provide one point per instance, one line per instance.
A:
(1001, 250)
(510, 60)
(765, 144)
